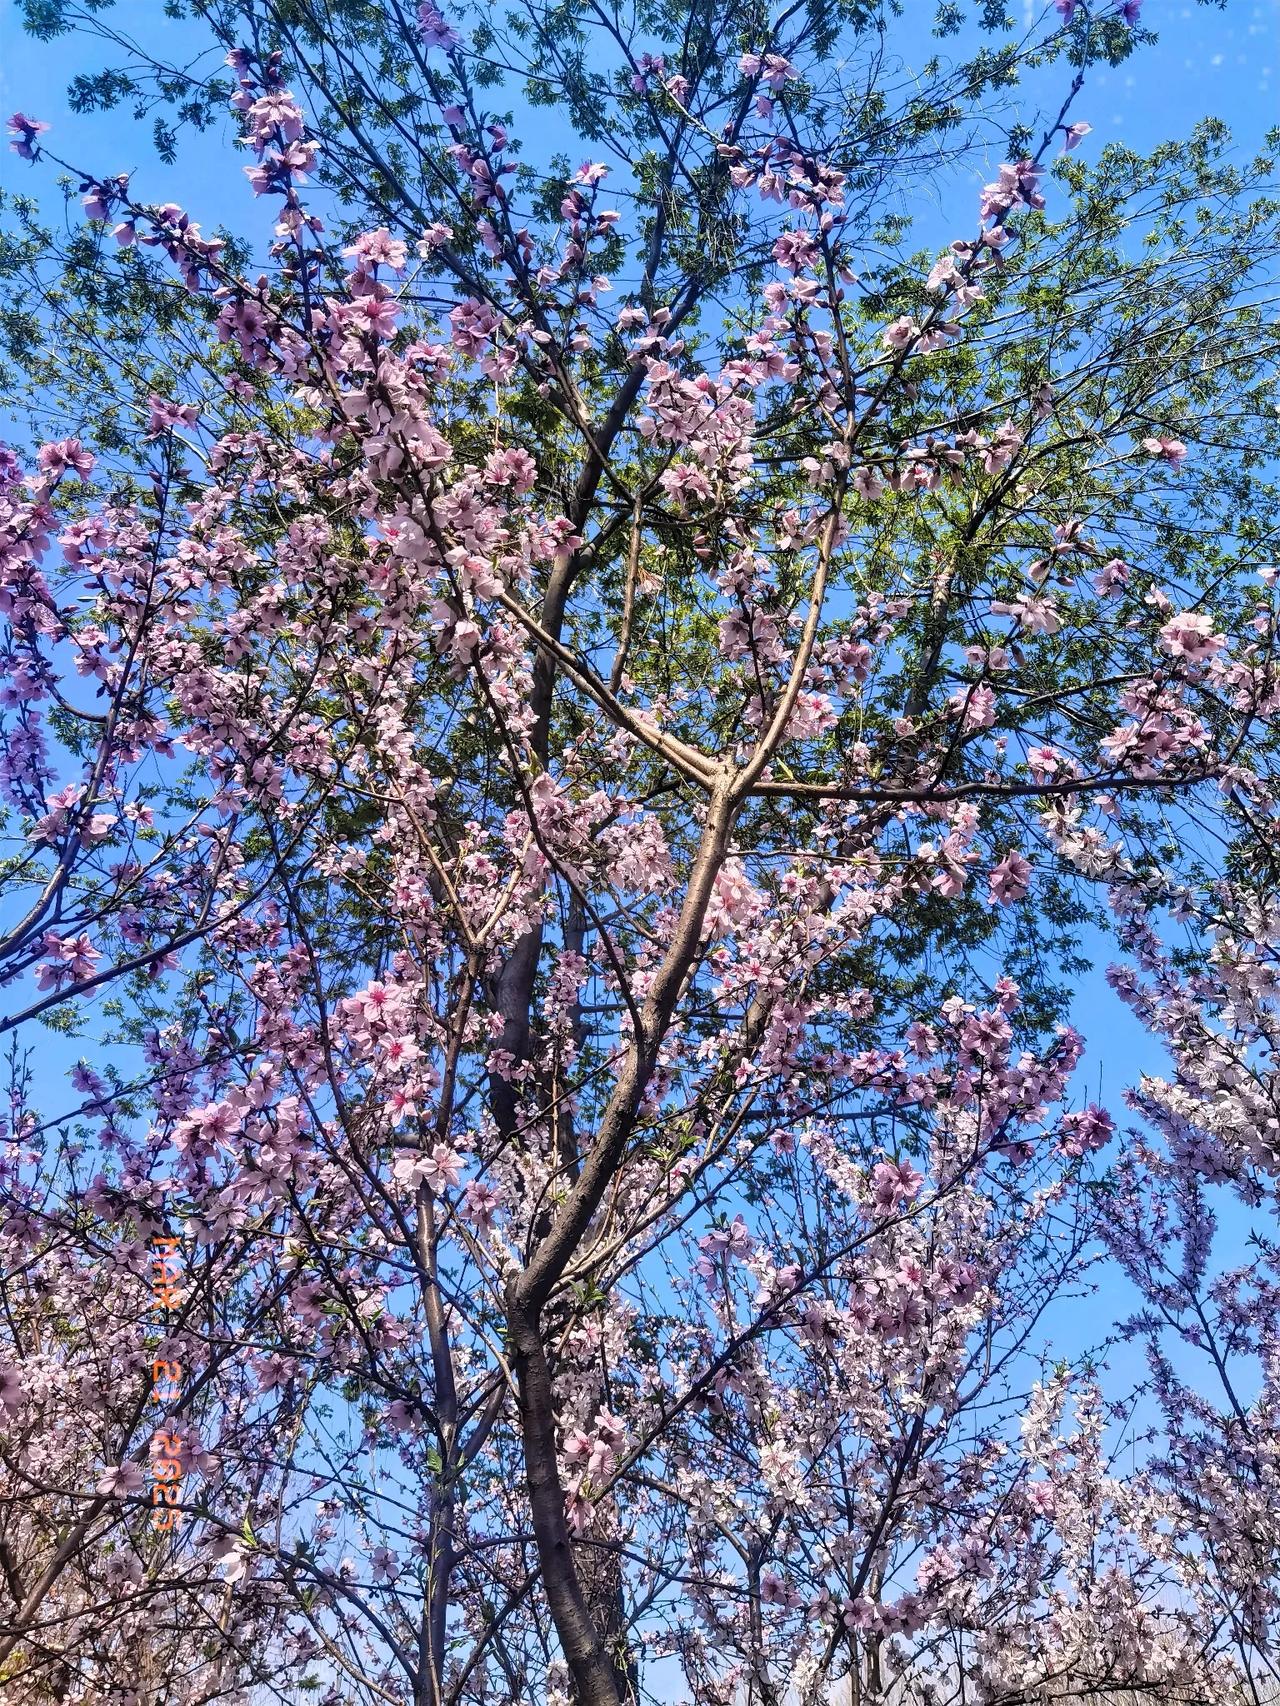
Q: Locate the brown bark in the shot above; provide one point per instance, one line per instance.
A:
(595, 1678)
(590, 1666)
(598, 1561)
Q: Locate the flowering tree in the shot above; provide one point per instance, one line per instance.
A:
(554, 768)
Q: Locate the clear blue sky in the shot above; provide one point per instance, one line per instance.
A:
(1223, 61)
(1210, 60)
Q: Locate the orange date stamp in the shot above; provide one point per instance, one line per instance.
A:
(166, 1388)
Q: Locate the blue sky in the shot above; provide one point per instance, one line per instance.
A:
(1209, 61)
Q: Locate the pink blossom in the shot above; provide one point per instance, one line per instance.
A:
(67, 453)
(778, 70)
(440, 1168)
(1009, 879)
(434, 30)
(400, 1051)
(163, 415)
(379, 248)
(683, 480)
(1170, 450)
(1044, 762)
(1017, 185)
(1112, 576)
(25, 131)
(512, 468)
(97, 203)
(121, 1480)
(733, 1240)
(1190, 635)
(481, 1205)
(230, 1552)
(276, 111)
(474, 323)
(894, 1183)
(901, 333)
(1086, 1131)
(12, 1390)
(795, 250)
(975, 706)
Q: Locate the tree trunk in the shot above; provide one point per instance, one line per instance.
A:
(598, 1561)
(591, 1668)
